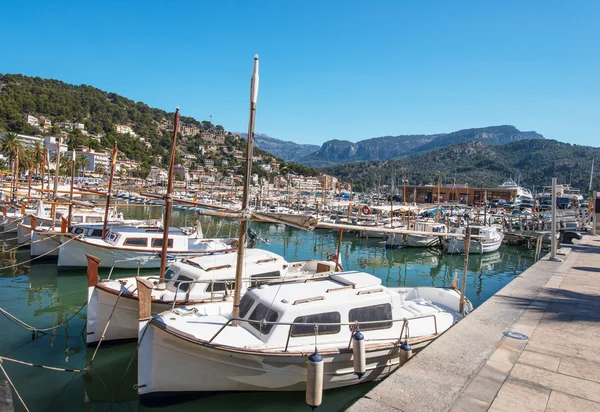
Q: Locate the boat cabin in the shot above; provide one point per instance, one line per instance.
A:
(338, 303)
(216, 274)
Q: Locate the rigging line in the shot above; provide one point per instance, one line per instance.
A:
(13, 386)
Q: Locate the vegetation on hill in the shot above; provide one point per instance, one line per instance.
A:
(533, 162)
(100, 113)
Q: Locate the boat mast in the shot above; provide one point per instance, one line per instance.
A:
(168, 202)
(71, 189)
(57, 167)
(109, 193)
(246, 194)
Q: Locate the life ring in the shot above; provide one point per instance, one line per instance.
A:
(366, 210)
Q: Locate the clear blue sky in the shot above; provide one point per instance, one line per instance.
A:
(329, 69)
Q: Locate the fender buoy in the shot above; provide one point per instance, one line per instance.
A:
(366, 210)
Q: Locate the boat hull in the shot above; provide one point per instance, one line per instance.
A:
(398, 241)
(72, 256)
(458, 246)
(45, 246)
(191, 367)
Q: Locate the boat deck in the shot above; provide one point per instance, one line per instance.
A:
(474, 367)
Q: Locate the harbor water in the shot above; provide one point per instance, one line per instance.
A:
(40, 296)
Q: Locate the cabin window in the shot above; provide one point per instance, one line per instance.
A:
(77, 231)
(169, 273)
(275, 274)
(184, 287)
(219, 286)
(112, 236)
(245, 305)
(158, 242)
(475, 231)
(96, 233)
(76, 219)
(94, 219)
(370, 314)
(263, 312)
(136, 241)
(321, 319)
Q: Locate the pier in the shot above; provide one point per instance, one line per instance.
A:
(474, 366)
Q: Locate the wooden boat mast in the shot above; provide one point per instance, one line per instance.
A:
(168, 204)
(246, 194)
(110, 185)
(73, 157)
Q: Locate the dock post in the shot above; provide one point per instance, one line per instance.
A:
(553, 244)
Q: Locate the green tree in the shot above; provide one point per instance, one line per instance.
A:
(12, 146)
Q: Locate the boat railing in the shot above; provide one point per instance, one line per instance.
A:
(139, 262)
(404, 331)
(228, 282)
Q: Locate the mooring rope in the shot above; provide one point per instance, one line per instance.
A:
(13, 385)
(37, 257)
(104, 331)
(35, 365)
(137, 347)
(19, 322)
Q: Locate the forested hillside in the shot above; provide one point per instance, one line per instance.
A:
(535, 161)
(335, 152)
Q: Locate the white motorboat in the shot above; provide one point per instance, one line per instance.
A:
(485, 239)
(433, 234)
(205, 280)
(186, 351)
(134, 247)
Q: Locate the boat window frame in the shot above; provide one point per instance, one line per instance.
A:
(244, 308)
(170, 242)
(323, 329)
(264, 329)
(381, 323)
(220, 286)
(127, 239)
(182, 283)
(271, 274)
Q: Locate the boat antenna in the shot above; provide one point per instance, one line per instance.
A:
(110, 185)
(245, 214)
(168, 202)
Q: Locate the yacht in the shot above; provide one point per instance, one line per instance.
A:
(485, 239)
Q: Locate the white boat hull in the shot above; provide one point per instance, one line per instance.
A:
(398, 241)
(45, 245)
(458, 246)
(72, 255)
(186, 366)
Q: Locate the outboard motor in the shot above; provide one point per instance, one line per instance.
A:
(254, 237)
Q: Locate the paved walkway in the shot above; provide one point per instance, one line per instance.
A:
(474, 367)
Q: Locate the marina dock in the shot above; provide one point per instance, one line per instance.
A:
(475, 367)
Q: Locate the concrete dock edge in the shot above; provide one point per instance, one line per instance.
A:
(474, 367)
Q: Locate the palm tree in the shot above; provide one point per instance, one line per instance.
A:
(38, 156)
(82, 162)
(12, 147)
